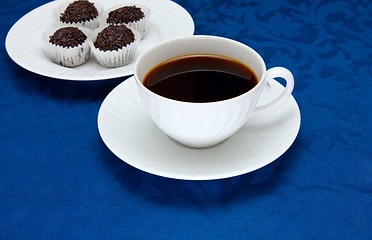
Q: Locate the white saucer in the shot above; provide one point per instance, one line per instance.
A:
(24, 40)
(130, 134)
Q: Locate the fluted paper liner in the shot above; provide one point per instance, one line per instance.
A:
(67, 56)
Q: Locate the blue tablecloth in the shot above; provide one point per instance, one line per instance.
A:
(58, 180)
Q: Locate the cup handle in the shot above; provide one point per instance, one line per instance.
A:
(270, 75)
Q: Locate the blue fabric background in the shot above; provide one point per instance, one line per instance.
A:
(59, 181)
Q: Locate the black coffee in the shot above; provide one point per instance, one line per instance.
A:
(200, 78)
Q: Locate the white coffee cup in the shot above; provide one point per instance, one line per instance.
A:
(206, 124)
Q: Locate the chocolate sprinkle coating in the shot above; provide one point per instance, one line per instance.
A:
(125, 15)
(79, 11)
(68, 37)
(114, 37)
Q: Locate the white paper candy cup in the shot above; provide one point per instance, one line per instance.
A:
(67, 56)
(115, 58)
(92, 24)
(141, 25)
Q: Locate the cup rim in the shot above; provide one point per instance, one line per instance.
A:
(161, 44)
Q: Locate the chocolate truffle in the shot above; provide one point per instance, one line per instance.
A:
(115, 45)
(125, 15)
(114, 38)
(79, 11)
(68, 37)
(67, 46)
(133, 16)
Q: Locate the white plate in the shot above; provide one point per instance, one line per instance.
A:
(130, 134)
(24, 40)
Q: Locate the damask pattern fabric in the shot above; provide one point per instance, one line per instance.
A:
(59, 181)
